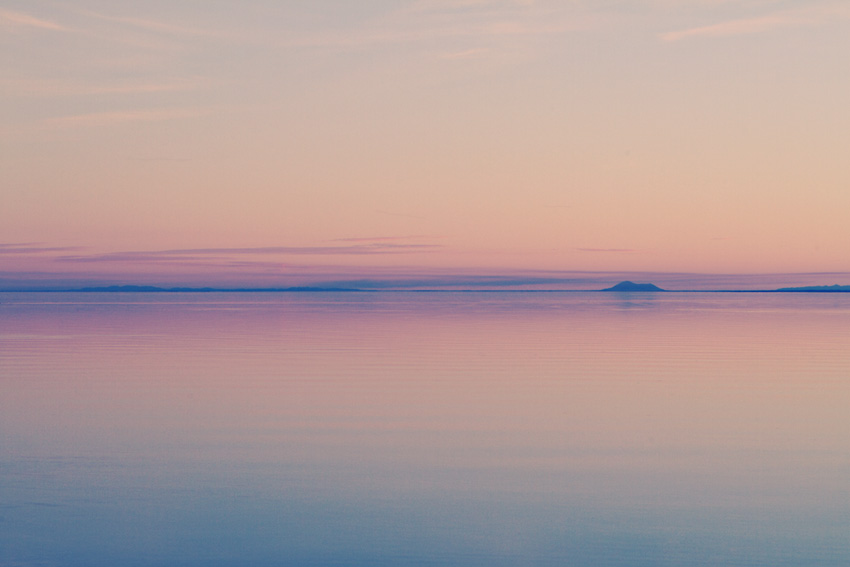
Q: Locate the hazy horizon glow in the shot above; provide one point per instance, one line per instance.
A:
(283, 143)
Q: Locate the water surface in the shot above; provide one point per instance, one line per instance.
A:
(432, 429)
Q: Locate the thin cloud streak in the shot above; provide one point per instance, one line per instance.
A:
(20, 19)
(809, 16)
(118, 117)
(171, 256)
(358, 40)
(33, 248)
(479, 20)
(152, 25)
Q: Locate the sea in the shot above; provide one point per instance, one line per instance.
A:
(424, 429)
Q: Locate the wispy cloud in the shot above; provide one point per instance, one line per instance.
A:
(152, 25)
(182, 255)
(815, 14)
(20, 19)
(369, 38)
(484, 22)
(117, 117)
(33, 248)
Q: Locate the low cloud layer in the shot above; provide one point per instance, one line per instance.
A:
(32, 248)
(182, 255)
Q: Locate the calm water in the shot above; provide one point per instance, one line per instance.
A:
(424, 429)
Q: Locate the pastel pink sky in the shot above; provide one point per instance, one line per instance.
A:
(276, 142)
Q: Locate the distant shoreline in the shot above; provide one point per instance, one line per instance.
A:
(307, 289)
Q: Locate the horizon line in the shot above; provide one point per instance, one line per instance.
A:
(130, 288)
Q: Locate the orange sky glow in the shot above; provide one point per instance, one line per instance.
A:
(269, 143)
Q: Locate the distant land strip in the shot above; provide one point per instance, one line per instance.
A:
(622, 287)
(818, 289)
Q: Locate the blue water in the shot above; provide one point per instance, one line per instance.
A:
(438, 429)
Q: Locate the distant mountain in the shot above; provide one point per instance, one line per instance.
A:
(631, 286)
(819, 289)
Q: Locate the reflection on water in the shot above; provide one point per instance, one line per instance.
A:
(424, 429)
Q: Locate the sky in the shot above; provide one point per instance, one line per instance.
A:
(401, 142)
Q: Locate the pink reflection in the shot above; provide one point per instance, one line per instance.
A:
(636, 402)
